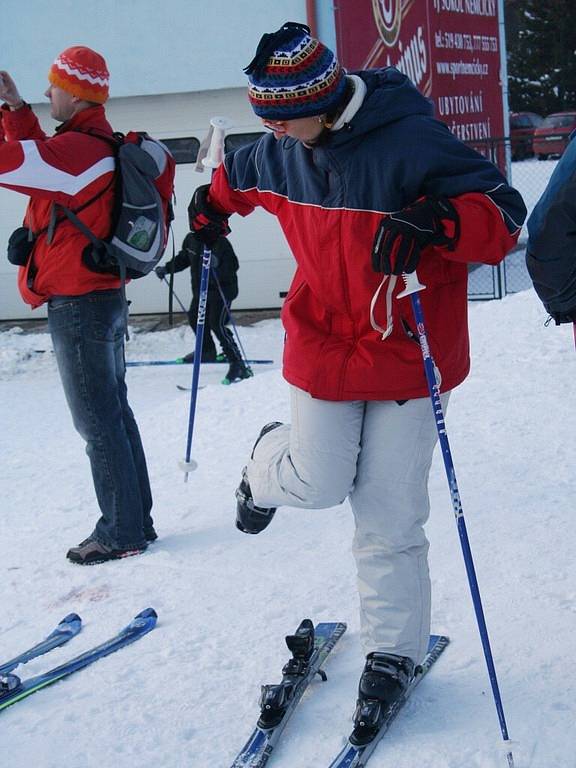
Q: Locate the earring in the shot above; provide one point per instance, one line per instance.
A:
(321, 119)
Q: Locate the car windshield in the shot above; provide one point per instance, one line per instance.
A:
(559, 121)
(525, 120)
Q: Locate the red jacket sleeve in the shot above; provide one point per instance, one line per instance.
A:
(224, 198)
(484, 235)
(56, 168)
(21, 124)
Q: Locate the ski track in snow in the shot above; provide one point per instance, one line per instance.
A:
(185, 696)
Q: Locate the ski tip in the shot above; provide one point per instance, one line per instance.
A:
(145, 620)
(72, 618)
(147, 613)
(70, 625)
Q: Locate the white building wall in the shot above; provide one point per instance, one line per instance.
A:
(266, 264)
(151, 47)
(173, 66)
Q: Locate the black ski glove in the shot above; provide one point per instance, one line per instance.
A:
(161, 272)
(205, 221)
(401, 236)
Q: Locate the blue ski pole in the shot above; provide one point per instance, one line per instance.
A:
(412, 289)
(189, 465)
(213, 158)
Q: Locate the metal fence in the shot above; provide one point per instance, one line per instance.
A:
(530, 177)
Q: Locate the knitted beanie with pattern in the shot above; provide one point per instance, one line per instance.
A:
(293, 75)
(81, 72)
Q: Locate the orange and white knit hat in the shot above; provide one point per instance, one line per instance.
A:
(81, 72)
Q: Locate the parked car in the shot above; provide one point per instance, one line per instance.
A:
(551, 138)
(522, 127)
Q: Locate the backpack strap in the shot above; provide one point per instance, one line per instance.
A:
(115, 141)
(78, 223)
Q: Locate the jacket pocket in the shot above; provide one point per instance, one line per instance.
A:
(20, 245)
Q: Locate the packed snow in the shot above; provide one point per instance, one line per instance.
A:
(186, 695)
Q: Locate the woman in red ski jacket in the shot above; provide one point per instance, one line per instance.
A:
(330, 199)
(366, 185)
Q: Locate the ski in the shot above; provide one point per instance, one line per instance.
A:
(226, 381)
(352, 756)
(180, 361)
(310, 647)
(188, 389)
(13, 689)
(176, 361)
(65, 631)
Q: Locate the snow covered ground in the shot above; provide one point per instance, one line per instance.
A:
(186, 695)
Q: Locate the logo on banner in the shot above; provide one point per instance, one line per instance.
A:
(388, 16)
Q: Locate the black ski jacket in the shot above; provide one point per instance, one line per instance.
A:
(551, 252)
(224, 264)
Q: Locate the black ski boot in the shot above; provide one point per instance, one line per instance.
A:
(384, 681)
(237, 371)
(249, 517)
(275, 699)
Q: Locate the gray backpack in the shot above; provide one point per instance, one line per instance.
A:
(142, 211)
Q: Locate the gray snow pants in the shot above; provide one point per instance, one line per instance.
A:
(378, 454)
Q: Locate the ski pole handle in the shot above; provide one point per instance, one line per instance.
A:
(413, 285)
(215, 155)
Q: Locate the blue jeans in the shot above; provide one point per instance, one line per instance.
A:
(88, 337)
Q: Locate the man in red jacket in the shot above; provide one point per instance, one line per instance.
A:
(86, 309)
(366, 185)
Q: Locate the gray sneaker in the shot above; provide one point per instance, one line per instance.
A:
(91, 552)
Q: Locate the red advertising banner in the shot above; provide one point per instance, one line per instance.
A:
(450, 49)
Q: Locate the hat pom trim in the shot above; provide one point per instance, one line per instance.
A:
(83, 91)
